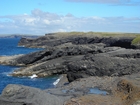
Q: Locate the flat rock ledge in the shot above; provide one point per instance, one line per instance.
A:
(10, 60)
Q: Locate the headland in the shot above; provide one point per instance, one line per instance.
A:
(85, 61)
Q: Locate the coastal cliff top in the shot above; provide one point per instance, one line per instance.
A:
(99, 34)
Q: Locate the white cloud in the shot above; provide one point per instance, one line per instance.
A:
(46, 21)
(40, 22)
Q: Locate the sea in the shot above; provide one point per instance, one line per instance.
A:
(9, 46)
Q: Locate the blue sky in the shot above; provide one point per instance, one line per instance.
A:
(44, 16)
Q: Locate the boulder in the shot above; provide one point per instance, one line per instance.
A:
(24, 95)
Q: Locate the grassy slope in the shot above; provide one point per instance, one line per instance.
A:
(136, 36)
(105, 34)
(136, 41)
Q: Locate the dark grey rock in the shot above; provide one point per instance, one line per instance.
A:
(79, 61)
(76, 56)
(79, 56)
(6, 102)
(45, 41)
(102, 65)
(23, 95)
(32, 57)
(59, 51)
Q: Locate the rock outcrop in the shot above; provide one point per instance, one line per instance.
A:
(115, 63)
(78, 57)
(23, 95)
(80, 61)
(126, 94)
(109, 63)
(53, 40)
(120, 91)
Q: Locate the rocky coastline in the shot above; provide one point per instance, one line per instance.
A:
(85, 62)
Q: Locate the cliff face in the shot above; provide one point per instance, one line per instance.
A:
(51, 41)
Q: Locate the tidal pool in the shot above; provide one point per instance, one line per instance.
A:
(97, 91)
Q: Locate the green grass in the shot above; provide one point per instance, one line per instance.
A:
(136, 41)
(98, 34)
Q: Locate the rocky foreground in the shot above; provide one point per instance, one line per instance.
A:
(109, 63)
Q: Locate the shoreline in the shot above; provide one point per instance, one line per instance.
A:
(114, 86)
(83, 62)
(118, 90)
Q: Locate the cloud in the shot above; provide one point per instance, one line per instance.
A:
(39, 22)
(113, 2)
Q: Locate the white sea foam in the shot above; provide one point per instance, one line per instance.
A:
(33, 76)
(56, 82)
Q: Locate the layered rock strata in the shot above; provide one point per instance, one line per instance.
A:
(109, 63)
(77, 56)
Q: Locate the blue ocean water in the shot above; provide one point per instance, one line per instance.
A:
(8, 46)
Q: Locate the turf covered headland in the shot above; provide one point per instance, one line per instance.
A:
(136, 41)
(109, 61)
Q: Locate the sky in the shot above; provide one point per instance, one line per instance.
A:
(46, 16)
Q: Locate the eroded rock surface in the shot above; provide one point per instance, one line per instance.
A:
(78, 57)
(54, 40)
(123, 90)
(109, 63)
(23, 95)
(99, 61)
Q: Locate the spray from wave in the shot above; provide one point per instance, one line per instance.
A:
(57, 81)
(33, 76)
